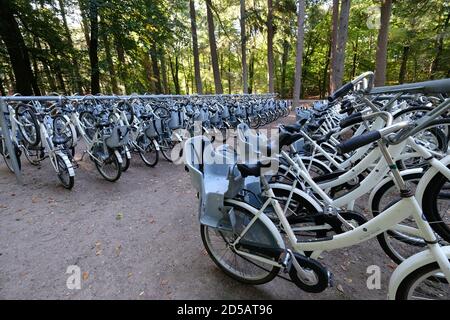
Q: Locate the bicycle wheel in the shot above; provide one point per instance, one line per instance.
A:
(62, 128)
(8, 159)
(397, 245)
(110, 169)
(63, 173)
(436, 205)
(88, 122)
(243, 269)
(125, 160)
(425, 283)
(147, 151)
(28, 125)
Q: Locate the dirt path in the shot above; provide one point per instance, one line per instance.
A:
(135, 239)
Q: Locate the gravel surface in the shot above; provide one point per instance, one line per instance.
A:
(137, 238)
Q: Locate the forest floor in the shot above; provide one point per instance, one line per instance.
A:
(137, 238)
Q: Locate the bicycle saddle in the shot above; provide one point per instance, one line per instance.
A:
(323, 138)
(59, 140)
(294, 128)
(252, 170)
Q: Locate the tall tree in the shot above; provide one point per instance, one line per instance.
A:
(382, 41)
(270, 34)
(341, 43)
(198, 78)
(93, 47)
(299, 52)
(74, 58)
(333, 51)
(213, 48)
(17, 50)
(440, 43)
(243, 48)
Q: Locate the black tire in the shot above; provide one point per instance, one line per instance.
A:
(8, 160)
(268, 275)
(26, 116)
(434, 191)
(403, 291)
(148, 147)
(382, 238)
(125, 162)
(89, 121)
(58, 125)
(63, 175)
(116, 172)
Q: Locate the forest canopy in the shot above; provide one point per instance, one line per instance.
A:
(207, 46)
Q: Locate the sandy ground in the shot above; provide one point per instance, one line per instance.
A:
(137, 238)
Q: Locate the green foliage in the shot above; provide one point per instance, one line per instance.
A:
(143, 42)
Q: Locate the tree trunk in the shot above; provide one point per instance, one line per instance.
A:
(17, 51)
(284, 60)
(149, 73)
(270, 34)
(84, 13)
(341, 43)
(381, 55)
(244, 48)
(299, 53)
(174, 71)
(93, 47)
(213, 48)
(325, 71)
(439, 48)
(2, 87)
(198, 78)
(109, 60)
(402, 74)
(251, 73)
(333, 52)
(355, 57)
(74, 60)
(155, 67)
(164, 73)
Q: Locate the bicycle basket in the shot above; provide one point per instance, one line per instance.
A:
(150, 131)
(118, 136)
(176, 120)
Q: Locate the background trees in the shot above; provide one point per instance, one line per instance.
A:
(163, 46)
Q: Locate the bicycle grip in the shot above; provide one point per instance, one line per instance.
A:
(351, 120)
(359, 141)
(341, 91)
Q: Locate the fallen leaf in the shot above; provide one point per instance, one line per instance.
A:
(164, 282)
(119, 216)
(34, 199)
(343, 268)
(339, 287)
(130, 274)
(85, 275)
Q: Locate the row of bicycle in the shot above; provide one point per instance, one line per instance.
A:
(112, 128)
(277, 203)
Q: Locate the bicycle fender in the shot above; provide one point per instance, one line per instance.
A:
(299, 192)
(410, 265)
(156, 145)
(119, 157)
(429, 174)
(388, 179)
(68, 164)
